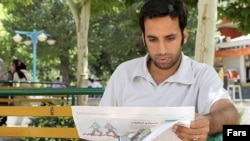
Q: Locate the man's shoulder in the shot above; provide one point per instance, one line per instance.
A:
(200, 66)
(195, 63)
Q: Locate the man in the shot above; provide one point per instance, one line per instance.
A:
(166, 77)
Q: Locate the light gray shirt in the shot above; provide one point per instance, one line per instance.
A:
(194, 84)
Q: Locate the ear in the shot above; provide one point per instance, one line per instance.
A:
(185, 35)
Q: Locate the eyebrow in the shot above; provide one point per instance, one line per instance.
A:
(170, 35)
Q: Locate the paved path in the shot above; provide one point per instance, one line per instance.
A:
(9, 139)
(243, 107)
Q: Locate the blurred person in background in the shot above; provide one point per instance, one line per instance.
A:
(3, 77)
(20, 74)
(58, 84)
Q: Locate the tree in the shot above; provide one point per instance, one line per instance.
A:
(236, 11)
(53, 18)
(113, 33)
(81, 14)
(205, 36)
(116, 37)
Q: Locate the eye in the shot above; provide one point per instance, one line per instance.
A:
(171, 38)
(151, 39)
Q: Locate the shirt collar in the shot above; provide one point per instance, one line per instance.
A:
(184, 74)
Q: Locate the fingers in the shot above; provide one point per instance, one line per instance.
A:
(199, 129)
(189, 133)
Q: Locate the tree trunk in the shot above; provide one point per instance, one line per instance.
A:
(82, 19)
(82, 44)
(64, 66)
(207, 17)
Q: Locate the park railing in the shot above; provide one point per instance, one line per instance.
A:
(69, 93)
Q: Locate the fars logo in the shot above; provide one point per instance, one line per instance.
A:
(231, 132)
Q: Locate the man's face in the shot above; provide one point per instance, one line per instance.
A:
(163, 39)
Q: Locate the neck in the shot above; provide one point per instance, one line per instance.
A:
(159, 75)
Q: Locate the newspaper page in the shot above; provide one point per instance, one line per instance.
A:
(96, 123)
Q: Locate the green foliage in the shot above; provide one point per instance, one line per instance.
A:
(114, 38)
(54, 18)
(52, 122)
(105, 7)
(114, 35)
(191, 3)
(189, 47)
(13, 4)
(237, 12)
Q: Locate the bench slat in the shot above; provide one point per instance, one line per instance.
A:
(43, 132)
(33, 100)
(35, 111)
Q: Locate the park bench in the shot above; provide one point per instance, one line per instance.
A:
(42, 132)
(48, 111)
(41, 111)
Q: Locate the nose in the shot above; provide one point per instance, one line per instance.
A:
(162, 47)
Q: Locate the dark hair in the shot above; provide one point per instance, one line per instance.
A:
(19, 65)
(161, 8)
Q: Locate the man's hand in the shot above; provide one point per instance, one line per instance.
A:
(199, 130)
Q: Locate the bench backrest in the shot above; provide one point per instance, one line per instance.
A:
(41, 111)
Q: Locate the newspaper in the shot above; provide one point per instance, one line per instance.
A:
(96, 123)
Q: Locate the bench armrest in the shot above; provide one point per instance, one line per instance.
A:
(215, 137)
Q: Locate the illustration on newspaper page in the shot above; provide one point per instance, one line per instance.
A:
(130, 123)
